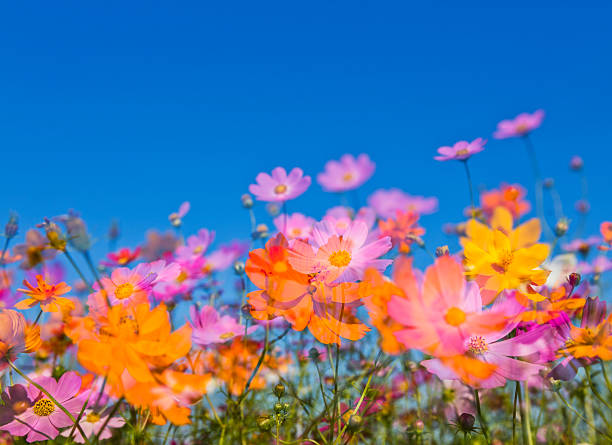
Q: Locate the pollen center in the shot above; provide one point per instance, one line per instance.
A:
(347, 177)
(462, 152)
(454, 316)
(280, 189)
(522, 128)
(124, 291)
(226, 335)
(477, 345)
(43, 408)
(505, 260)
(92, 417)
(340, 258)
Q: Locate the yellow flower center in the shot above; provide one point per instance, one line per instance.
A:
(454, 316)
(340, 258)
(124, 291)
(43, 408)
(182, 277)
(477, 345)
(347, 177)
(296, 232)
(92, 417)
(280, 189)
(226, 335)
(198, 249)
(462, 152)
(522, 128)
(505, 260)
(280, 267)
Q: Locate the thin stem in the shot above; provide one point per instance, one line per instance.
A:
(110, 415)
(45, 392)
(470, 187)
(481, 419)
(259, 362)
(605, 374)
(517, 389)
(77, 268)
(212, 407)
(593, 389)
(526, 417)
(539, 189)
(572, 409)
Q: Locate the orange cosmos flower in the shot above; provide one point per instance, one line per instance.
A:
(606, 231)
(327, 311)
(555, 302)
(129, 339)
(509, 196)
(590, 342)
(49, 296)
(402, 230)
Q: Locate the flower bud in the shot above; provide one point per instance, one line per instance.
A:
(113, 231)
(419, 426)
(273, 209)
(279, 390)
(247, 201)
(12, 226)
(239, 267)
(561, 227)
(278, 407)
(261, 231)
(465, 422)
(442, 251)
(576, 163)
(582, 206)
(314, 354)
(574, 279)
(548, 183)
(355, 422)
(265, 423)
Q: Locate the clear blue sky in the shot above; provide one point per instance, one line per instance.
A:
(125, 109)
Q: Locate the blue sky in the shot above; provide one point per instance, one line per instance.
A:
(126, 109)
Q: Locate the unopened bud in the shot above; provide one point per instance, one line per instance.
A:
(419, 425)
(279, 390)
(265, 423)
(114, 231)
(561, 227)
(582, 206)
(465, 422)
(314, 354)
(548, 183)
(574, 279)
(261, 231)
(555, 384)
(442, 251)
(278, 407)
(247, 201)
(576, 163)
(12, 226)
(273, 209)
(239, 267)
(355, 422)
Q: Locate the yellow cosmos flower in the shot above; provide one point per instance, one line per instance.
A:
(503, 257)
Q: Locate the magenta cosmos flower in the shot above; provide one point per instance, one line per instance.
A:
(461, 151)
(208, 327)
(295, 225)
(346, 174)
(521, 125)
(196, 246)
(386, 203)
(339, 259)
(42, 419)
(280, 187)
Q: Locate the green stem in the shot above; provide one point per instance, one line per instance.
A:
(469, 180)
(74, 265)
(481, 419)
(526, 417)
(572, 409)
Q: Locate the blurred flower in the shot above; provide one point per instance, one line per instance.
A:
(510, 196)
(599, 265)
(92, 423)
(159, 245)
(347, 174)
(402, 230)
(521, 125)
(583, 246)
(576, 163)
(48, 296)
(582, 206)
(15, 336)
(280, 187)
(606, 231)
(176, 218)
(294, 226)
(196, 245)
(35, 250)
(387, 202)
(461, 151)
(208, 327)
(76, 230)
(122, 257)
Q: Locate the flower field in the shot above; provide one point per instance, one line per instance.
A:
(313, 329)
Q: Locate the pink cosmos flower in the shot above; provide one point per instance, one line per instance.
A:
(461, 151)
(91, 423)
(225, 256)
(15, 401)
(521, 125)
(208, 327)
(127, 286)
(347, 174)
(339, 258)
(12, 336)
(599, 265)
(280, 187)
(386, 203)
(341, 217)
(42, 419)
(582, 245)
(294, 226)
(196, 245)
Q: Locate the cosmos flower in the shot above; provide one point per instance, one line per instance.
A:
(208, 327)
(583, 246)
(510, 196)
(339, 258)
(159, 245)
(403, 230)
(43, 419)
(225, 256)
(348, 173)
(16, 336)
(35, 250)
(387, 202)
(341, 217)
(606, 231)
(502, 257)
(599, 265)
(196, 246)
(294, 226)
(91, 423)
(280, 187)
(461, 151)
(521, 125)
(48, 296)
(122, 257)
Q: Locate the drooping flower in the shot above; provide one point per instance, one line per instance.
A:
(348, 173)
(327, 312)
(208, 327)
(279, 186)
(43, 419)
(502, 257)
(92, 423)
(521, 125)
(339, 258)
(294, 226)
(461, 151)
(510, 196)
(159, 245)
(122, 257)
(403, 230)
(48, 296)
(15, 401)
(176, 218)
(16, 336)
(387, 202)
